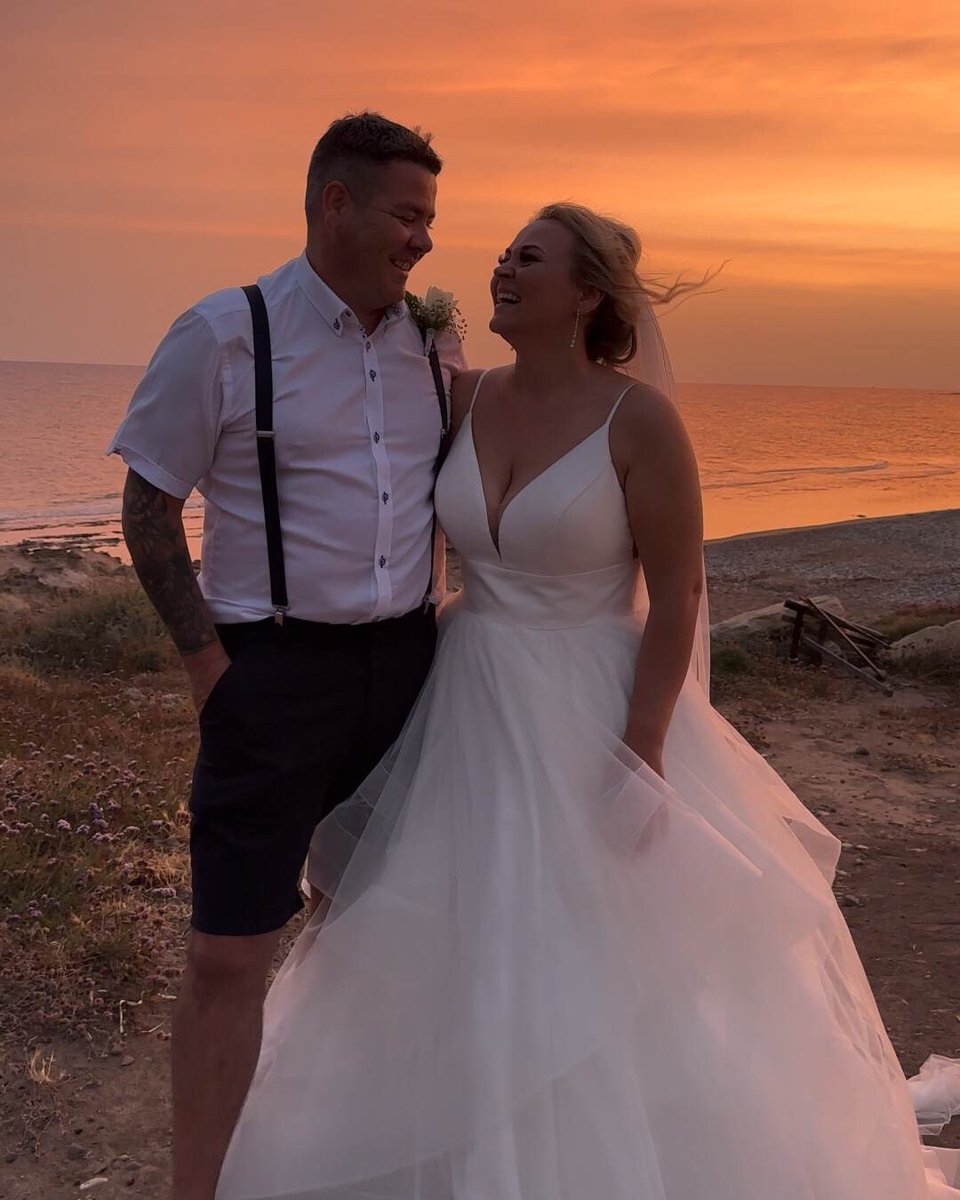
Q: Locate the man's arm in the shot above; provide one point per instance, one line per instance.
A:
(154, 533)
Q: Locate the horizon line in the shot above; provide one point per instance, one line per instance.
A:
(866, 387)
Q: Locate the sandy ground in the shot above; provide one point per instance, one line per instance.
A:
(882, 772)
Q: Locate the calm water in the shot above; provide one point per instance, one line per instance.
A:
(770, 457)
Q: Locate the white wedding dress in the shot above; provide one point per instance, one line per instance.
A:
(546, 973)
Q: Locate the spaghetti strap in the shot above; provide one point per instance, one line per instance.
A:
(476, 390)
(616, 404)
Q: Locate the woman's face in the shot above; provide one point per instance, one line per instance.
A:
(533, 289)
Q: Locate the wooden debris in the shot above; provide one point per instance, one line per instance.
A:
(852, 645)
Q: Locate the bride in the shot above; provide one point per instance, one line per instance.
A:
(582, 943)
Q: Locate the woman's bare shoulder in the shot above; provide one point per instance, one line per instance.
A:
(646, 426)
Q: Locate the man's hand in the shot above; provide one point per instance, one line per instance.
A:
(204, 670)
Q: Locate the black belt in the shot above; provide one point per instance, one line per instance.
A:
(294, 630)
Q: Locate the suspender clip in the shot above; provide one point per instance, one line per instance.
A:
(279, 613)
(265, 433)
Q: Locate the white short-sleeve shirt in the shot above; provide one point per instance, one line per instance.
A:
(357, 431)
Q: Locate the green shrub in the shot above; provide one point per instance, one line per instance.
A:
(113, 632)
(731, 660)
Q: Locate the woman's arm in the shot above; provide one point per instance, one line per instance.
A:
(662, 490)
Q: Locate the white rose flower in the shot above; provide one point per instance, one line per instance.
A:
(437, 297)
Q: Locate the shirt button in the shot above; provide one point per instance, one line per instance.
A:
(383, 561)
(373, 374)
(366, 345)
(385, 497)
(376, 437)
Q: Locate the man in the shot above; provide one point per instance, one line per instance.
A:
(297, 700)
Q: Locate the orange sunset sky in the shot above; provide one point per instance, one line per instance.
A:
(153, 153)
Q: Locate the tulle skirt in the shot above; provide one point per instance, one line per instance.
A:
(547, 974)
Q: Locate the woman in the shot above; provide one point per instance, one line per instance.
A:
(584, 943)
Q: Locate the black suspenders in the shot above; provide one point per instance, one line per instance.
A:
(266, 453)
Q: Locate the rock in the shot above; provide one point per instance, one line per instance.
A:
(862, 752)
(127, 1061)
(933, 639)
(75, 1150)
(765, 620)
(96, 1181)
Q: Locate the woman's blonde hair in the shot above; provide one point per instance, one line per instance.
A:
(606, 257)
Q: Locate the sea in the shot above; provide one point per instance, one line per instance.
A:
(771, 457)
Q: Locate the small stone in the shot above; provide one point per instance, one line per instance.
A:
(96, 1181)
(127, 1061)
(850, 901)
(10, 1158)
(862, 752)
(75, 1150)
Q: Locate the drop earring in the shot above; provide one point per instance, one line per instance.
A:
(576, 330)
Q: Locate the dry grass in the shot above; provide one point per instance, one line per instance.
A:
(95, 759)
(941, 666)
(914, 617)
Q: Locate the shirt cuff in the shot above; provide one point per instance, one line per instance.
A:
(151, 472)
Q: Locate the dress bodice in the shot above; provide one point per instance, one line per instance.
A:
(566, 553)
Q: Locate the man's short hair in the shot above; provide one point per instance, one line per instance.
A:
(354, 146)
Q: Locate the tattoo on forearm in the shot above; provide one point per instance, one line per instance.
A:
(154, 534)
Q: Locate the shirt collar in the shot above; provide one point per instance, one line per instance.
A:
(329, 305)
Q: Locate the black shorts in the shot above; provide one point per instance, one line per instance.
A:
(297, 721)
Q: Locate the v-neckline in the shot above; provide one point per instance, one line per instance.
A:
(494, 534)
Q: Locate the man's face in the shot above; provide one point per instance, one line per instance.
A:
(386, 233)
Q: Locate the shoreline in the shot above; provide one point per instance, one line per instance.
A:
(874, 565)
(850, 522)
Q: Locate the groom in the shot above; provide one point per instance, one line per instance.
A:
(303, 661)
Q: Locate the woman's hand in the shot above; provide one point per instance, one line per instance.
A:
(647, 746)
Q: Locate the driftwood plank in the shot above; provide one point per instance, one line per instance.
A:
(828, 622)
(880, 684)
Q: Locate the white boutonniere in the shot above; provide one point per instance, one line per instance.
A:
(436, 312)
